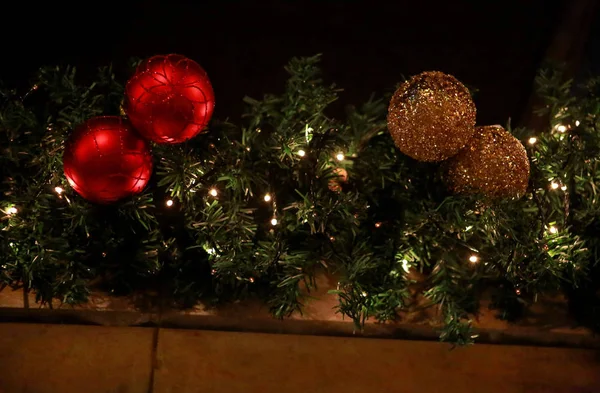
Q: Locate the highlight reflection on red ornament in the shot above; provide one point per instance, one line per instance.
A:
(169, 99)
(106, 160)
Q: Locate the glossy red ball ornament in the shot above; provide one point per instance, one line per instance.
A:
(169, 99)
(106, 160)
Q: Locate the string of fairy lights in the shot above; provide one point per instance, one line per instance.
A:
(554, 185)
(340, 156)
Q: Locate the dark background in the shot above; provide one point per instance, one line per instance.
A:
(367, 46)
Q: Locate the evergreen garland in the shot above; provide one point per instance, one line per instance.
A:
(251, 215)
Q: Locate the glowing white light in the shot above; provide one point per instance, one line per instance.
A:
(301, 153)
(532, 140)
(58, 190)
(577, 123)
(169, 203)
(561, 128)
(267, 197)
(340, 156)
(553, 230)
(473, 259)
(554, 185)
(213, 192)
(564, 188)
(308, 133)
(273, 221)
(405, 265)
(210, 251)
(11, 210)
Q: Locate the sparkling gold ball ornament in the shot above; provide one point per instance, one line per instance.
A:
(335, 183)
(494, 164)
(431, 116)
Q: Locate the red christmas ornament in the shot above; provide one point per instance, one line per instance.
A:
(169, 99)
(106, 160)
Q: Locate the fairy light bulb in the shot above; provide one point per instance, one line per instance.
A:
(554, 185)
(377, 225)
(169, 203)
(11, 210)
(267, 197)
(301, 153)
(473, 259)
(532, 140)
(577, 123)
(213, 192)
(561, 128)
(273, 221)
(405, 265)
(553, 230)
(340, 156)
(564, 188)
(58, 190)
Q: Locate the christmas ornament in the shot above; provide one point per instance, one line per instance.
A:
(340, 176)
(494, 164)
(431, 116)
(106, 160)
(169, 99)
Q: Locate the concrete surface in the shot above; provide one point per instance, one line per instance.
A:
(219, 362)
(70, 358)
(36, 358)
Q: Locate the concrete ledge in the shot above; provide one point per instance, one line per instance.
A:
(547, 323)
(404, 331)
(38, 358)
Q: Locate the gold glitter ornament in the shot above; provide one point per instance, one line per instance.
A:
(494, 164)
(431, 116)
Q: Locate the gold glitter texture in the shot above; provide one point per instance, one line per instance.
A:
(431, 116)
(494, 164)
